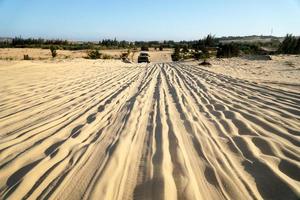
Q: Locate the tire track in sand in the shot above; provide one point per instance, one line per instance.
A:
(155, 131)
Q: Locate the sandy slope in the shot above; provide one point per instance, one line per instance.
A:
(283, 71)
(106, 130)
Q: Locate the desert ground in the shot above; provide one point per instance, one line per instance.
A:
(103, 129)
(45, 54)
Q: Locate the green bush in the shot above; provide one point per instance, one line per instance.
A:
(144, 48)
(176, 55)
(26, 57)
(94, 54)
(53, 51)
(249, 49)
(228, 50)
(161, 48)
(205, 54)
(185, 49)
(208, 41)
(290, 45)
(197, 55)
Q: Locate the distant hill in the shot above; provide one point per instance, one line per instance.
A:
(249, 39)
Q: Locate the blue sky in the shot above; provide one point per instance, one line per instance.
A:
(147, 19)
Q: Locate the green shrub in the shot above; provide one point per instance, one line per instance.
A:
(205, 54)
(53, 51)
(208, 41)
(297, 50)
(185, 49)
(176, 55)
(144, 48)
(161, 48)
(197, 55)
(26, 57)
(274, 43)
(94, 54)
(249, 49)
(228, 50)
(290, 45)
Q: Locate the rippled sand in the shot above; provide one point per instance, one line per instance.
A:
(83, 129)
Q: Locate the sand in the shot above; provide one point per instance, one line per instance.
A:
(45, 54)
(85, 129)
(282, 71)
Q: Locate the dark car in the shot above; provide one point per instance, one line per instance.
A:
(144, 57)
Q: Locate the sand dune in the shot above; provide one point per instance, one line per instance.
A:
(108, 130)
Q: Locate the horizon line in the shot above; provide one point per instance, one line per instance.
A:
(137, 40)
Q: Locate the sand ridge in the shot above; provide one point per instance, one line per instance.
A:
(85, 129)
